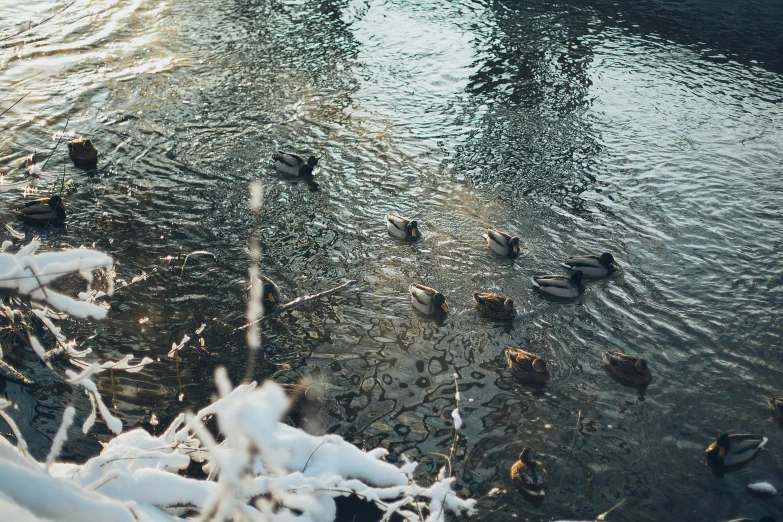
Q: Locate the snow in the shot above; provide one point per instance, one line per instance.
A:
(27, 273)
(259, 469)
(262, 470)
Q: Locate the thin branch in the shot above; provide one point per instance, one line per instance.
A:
(192, 254)
(39, 24)
(12, 106)
(68, 119)
(296, 303)
(603, 515)
(311, 454)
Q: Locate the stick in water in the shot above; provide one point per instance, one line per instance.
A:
(299, 301)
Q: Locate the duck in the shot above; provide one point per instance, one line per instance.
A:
(502, 243)
(594, 267)
(627, 368)
(494, 306)
(403, 228)
(559, 285)
(294, 164)
(43, 211)
(730, 450)
(528, 475)
(777, 406)
(303, 400)
(270, 292)
(527, 367)
(82, 151)
(427, 300)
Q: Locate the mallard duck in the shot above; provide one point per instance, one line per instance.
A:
(427, 300)
(43, 211)
(626, 368)
(403, 228)
(82, 150)
(494, 306)
(730, 450)
(594, 267)
(527, 367)
(270, 292)
(528, 475)
(303, 399)
(294, 164)
(777, 406)
(502, 243)
(560, 285)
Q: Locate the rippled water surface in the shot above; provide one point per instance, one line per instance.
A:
(652, 130)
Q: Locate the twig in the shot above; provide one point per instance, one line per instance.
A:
(570, 452)
(448, 459)
(296, 303)
(192, 254)
(311, 454)
(12, 106)
(39, 24)
(68, 119)
(602, 516)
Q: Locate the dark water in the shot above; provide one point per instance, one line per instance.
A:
(650, 129)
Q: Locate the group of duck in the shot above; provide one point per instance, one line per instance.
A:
(51, 210)
(527, 474)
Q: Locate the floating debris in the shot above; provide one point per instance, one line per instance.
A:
(763, 488)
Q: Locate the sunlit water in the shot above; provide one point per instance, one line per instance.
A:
(655, 133)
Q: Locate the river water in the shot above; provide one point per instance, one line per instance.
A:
(653, 130)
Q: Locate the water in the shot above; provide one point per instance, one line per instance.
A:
(652, 130)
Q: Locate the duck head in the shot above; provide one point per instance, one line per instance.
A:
(641, 365)
(55, 201)
(577, 277)
(268, 291)
(539, 365)
(413, 228)
(718, 449)
(440, 300)
(606, 259)
(508, 304)
(312, 161)
(525, 456)
(513, 245)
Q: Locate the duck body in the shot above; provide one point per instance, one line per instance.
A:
(494, 306)
(528, 475)
(427, 300)
(502, 243)
(777, 406)
(731, 450)
(294, 164)
(82, 151)
(593, 267)
(270, 293)
(43, 211)
(403, 228)
(528, 367)
(628, 369)
(559, 285)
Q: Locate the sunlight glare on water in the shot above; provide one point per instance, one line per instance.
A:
(650, 130)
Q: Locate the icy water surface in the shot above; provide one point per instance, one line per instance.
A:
(653, 130)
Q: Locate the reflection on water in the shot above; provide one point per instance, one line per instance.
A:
(579, 127)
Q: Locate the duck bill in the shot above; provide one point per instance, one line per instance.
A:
(413, 232)
(722, 452)
(515, 249)
(271, 298)
(444, 307)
